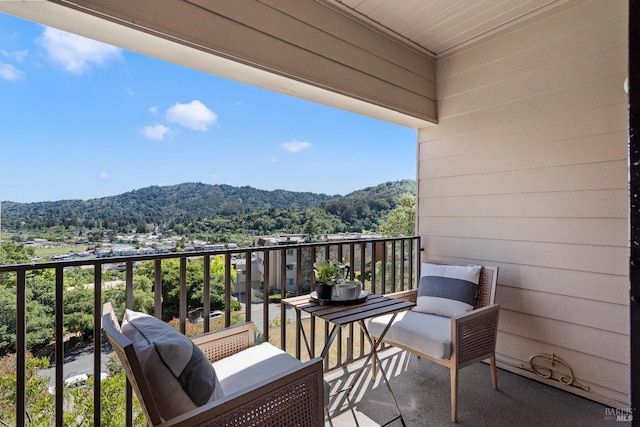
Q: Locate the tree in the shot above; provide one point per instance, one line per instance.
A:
(40, 320)
(113, 400)
(143, 299)
(15, 253)
(39, 405)
(311, 227)
(78, 310)
(401, 220)
(170, 272)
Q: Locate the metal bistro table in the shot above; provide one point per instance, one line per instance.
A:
(343, 315)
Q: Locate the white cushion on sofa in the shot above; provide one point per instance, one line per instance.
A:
(426, 333)
(254, 364)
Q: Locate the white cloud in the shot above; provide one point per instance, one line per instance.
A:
(194, 115)
(104, 175)
(16, 55)
(155, 132)
(74, 53)
(153, 110)
(274, 159)
(11, 73)
(296, 146)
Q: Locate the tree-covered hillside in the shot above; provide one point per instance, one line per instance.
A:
(363, 209)
(211, 210)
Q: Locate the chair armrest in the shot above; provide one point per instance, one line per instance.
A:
(293, 398)
(223, 343)
(473, 334)
(410, 295)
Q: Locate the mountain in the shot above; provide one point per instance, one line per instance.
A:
(190, 203)
(363, 209)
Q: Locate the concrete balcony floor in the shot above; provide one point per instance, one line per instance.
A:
(422, 391)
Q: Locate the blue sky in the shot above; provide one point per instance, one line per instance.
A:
(81, 120)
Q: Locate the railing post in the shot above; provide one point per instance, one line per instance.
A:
(374, 257)
(363, 262)
(248, 289)
(59, 351)
(129, 284)
(21, 347)
(157, 289)
(394, 269)
(266, 286)
(227, 289)
(129, 305)
(402, 261)
(283, 331)
(183, 295)
(383, 269)
(97, 343)
(299, 277)
(206, 291)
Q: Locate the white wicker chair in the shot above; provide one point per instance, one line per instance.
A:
(293, 398)
(473, 334)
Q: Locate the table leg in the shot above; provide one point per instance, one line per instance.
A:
(374, 354)
(327, 345)
(303, 333)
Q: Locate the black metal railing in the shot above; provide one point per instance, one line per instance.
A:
(284, 268)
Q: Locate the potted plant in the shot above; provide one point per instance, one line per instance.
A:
(326, 274)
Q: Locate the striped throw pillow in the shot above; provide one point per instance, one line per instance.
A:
(179, 374)
(447, 290)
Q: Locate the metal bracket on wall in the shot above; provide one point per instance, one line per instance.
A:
(544, 365)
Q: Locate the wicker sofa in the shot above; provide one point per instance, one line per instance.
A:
(455, 341)
(252, 382)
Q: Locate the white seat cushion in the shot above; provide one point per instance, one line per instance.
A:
(252, 365)
(427, 333)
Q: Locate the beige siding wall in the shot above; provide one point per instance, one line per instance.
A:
(527, 170)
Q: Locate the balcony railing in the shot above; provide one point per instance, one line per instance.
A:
(383, 265)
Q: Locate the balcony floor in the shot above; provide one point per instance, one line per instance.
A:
(422, 391)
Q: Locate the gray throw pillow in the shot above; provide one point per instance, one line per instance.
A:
(179, 374)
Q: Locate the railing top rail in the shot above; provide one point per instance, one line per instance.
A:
(189, 254)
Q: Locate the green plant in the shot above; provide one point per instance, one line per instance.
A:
(326, 272)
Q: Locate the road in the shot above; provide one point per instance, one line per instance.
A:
(78, 362)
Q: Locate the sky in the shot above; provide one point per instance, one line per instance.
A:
(80, 119)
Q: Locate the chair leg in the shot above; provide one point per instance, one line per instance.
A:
(494, 372)
(328, 416)
(374, 367)
(454, 394)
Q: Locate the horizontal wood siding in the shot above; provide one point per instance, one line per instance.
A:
(527, 170)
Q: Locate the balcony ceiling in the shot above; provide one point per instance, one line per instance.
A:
(440, 26)
(371, 57)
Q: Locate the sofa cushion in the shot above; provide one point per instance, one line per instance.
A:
(426, 333)
(179, 374)
(253, 365)
(447, 290)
